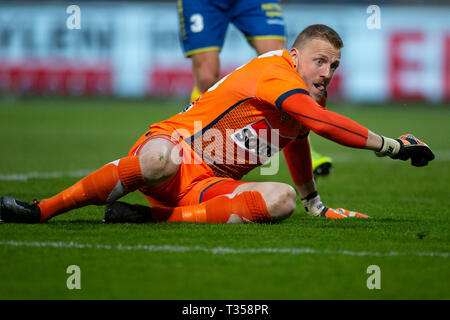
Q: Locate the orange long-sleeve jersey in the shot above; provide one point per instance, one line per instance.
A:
(255, 111)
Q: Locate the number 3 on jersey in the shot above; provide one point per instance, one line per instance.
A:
(197, 22)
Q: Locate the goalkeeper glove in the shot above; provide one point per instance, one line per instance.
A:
(406, 147)
(314, 207)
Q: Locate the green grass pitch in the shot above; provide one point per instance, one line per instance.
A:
(47, 141)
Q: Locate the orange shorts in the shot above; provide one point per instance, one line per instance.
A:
(193, 183)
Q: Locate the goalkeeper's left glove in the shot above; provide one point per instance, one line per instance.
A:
(315, 207)
(406, 147)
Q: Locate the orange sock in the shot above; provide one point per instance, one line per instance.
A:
(106, 184)
(248, 206)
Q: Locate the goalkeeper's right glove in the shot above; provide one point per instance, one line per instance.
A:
(314, 207)
(406, 147)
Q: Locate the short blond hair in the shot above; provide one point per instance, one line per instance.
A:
(318, 31)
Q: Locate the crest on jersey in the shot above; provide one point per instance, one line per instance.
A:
(259, 139)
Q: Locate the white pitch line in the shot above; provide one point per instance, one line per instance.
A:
(44, 175)
(216, 250)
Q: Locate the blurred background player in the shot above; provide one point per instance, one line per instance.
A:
(203, 25)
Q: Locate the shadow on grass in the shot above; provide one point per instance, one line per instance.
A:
(81, 222)
(100, 224)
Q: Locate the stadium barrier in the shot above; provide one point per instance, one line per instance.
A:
(133, 50)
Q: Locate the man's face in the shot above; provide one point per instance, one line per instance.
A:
(316, 63)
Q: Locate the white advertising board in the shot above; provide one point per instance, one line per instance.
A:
(133, 49)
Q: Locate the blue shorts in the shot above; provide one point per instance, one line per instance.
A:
(203, 23)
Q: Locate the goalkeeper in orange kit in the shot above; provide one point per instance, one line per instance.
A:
(189, 166)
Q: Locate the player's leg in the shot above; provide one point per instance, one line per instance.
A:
(280, 198)
(322, 165)
(203, 25)
(248, 206)
(107, 183)
(233, 201)
(217, 200)
(220, 200)
(151, 168)
(262, 45)
(206, 71)
(240, 208)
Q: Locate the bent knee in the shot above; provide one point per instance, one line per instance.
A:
(158, 165)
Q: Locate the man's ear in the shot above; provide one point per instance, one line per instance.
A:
(295, 54)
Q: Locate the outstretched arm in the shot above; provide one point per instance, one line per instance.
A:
(345, 131)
